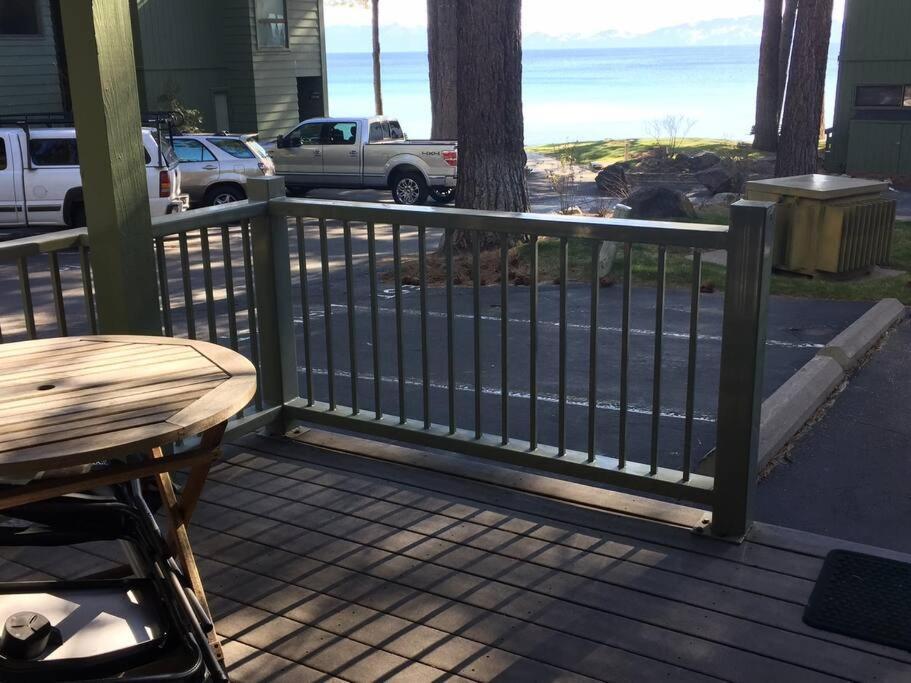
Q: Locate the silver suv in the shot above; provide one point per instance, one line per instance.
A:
(214, 167)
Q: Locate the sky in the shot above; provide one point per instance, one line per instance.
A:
(681, 22)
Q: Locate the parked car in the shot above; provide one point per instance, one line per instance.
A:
(40, 181)
(365, 152)
(215, 166)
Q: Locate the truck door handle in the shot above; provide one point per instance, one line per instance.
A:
(352, 153)
(210, 167)
(316, 154)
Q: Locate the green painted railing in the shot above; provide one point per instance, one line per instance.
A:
(280, 280)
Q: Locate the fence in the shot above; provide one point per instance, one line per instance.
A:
(330, 284)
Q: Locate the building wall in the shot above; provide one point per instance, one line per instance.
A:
(29, 80)
(875, 50)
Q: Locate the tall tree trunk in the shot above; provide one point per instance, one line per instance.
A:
(491, 130)
(784, 49)
(442, 56)
(766, 127)
(377, 78)
(798, 148)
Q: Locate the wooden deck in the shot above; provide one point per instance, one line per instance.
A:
(322, 565)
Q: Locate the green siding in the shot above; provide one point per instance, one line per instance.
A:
(29, 81)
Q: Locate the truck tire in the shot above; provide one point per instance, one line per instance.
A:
(224, 194)
(77, 215)
(442, 196)
(409, 188)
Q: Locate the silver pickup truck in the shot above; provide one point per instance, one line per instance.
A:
(365, 152)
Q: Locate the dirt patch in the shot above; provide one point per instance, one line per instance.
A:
(462, 269)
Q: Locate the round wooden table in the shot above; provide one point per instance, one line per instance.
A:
(72, 401)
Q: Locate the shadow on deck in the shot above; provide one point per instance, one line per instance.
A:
(323, 564)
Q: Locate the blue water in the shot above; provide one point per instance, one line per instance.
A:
(582, 94)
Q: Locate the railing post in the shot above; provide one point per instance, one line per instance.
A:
(742, 359)
(272, 287)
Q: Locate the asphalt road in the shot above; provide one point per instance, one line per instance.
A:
(797, 328)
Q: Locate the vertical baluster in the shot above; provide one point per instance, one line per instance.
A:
(352, 332)
(207, 284)
(691, 364)
(57, 288)
(656, 363)
(187, 286)
(374, 322)
(476, 299)
(450, 362)
(229, 285)
(251, 307)
(561, 407)
(624, 350)
(87, 289)
(593, 352)
(533, 344)
(162, 264)
(327, 311)
(305, 306)
(425, 354)
(399, 345)
(25, 290)
(504, 339)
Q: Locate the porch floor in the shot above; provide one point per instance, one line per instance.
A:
(321, 564)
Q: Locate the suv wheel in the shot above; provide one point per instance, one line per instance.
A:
(409, 188)
(224, 194)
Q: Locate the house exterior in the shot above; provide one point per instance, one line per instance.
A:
(246, 65)
(871, 132)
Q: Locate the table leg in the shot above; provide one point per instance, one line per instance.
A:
(178, 513)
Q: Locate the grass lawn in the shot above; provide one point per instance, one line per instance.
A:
(612, 151)
(679, 270)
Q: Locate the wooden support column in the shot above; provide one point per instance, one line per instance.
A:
(102, 74)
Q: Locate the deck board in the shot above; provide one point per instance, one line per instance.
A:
(325, 565)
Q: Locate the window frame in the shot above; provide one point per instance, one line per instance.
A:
(258, 21)
(202, 146)
(39, 27)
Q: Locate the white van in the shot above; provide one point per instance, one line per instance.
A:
(40, 183)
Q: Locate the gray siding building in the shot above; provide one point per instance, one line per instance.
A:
(246, 65)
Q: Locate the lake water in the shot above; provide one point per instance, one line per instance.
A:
(582, 94)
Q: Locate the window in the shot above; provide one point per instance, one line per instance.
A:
(305, 134)
(19, 18)
(340, 133)
(879, 96)
(2, 155)
(234, 147)
(395, 131)
(271, 23)
(192, 150)
(377, 133)
(54, 152)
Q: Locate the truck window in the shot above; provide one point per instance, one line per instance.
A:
(54, 152)
(340, 133)
(376, 132)
(395, 131)
(235, 148)
(192, 150)
(305, 134)
(2, 154)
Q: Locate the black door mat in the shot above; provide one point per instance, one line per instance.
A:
(864, 597)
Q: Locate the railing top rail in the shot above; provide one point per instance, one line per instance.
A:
(42, 243)
(226, 214)
(551, 225)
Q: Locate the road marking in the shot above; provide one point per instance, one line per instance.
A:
(314, 314)
(613, 406)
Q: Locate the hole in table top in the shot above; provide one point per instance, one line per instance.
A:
(46, 387)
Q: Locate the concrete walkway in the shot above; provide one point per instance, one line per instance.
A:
(848, 476)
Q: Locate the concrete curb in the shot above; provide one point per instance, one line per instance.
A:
(786, 411)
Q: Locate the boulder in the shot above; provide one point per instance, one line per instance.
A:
(659, 203)
(718, 179)
(722, 200)
(611, 178)
(704, 160)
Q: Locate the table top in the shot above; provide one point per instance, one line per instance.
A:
(75, 400)
(818, 186)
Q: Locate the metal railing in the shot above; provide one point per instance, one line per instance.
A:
(332, 283)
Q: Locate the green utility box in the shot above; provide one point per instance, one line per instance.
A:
(830, 224)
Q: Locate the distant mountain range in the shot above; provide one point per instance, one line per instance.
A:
(714, 32)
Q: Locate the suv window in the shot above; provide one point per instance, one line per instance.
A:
(54, 152)
(236, 148)
(192, 150)
(340, 133)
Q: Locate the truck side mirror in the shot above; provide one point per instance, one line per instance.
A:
(280, 141)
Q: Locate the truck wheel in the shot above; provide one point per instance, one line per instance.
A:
(77, 215)
(442, 196)
(224, 194)
(409, 188)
